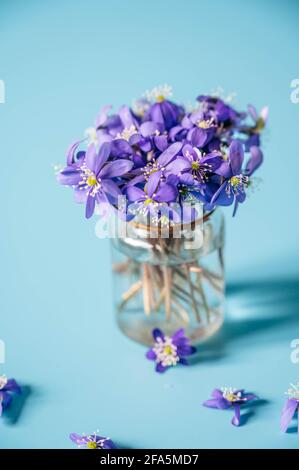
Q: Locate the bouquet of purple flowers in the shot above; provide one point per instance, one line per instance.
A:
(155, 164)
(160, 153)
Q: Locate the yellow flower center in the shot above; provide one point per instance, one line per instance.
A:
(160, 98)
(231, 397)
(91, 180)
(203, 124)
(195, 165)
(260, 124)
(148, 201)
(234, 181)
(168, 350)
(91, 445)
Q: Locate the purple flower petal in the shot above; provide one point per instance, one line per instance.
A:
(178, 335)
(219, 403)
(116, 168)
(177, 165)
(90, 205)
(103, 156)
(161, 142)
(152, 184)
(255, 160)
(108, 444)
(69, 176)
(149, 128)
(70, 153)
(237, 416)
(197, 137)
(135, 194)
(216, 393)
(76, 438)
(91, 157)
(157, 333)
(236, 156)
(160, 368)
(12, 386)
(253, 113)
(127, 117)
(120, 148)
(289, 409)
(102, 116)
(111, 188)
(151, 355)
(169, 153)
(166, 193)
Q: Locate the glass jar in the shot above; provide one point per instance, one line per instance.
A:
(170, 281)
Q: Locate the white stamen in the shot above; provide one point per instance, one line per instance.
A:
(166, 352)
(157, 92)
(3, 381)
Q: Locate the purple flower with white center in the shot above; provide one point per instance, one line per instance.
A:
(199, 166)
(92, 177)
(236, 180)
(7, 388)
(291, 406)
(168, 351)
(203, 130)
(228, 397)
(150, 201)
(92, 441)
(157, 170)
(221, 111)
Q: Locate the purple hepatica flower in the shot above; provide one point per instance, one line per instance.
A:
(7, 388)
(235, 180)
(170, 351)
(150, 201)
(228, 397)
(92, 177)
(163, 112)
(199, 167)
(92, 441)
(203, 130)
(159, 169)
(290, 407)
(221, 111)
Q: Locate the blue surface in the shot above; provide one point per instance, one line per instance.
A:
(60, 62)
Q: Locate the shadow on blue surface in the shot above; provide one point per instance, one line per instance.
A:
(252, 308)
(249, 407)
(13, 413)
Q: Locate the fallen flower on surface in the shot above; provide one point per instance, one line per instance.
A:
(228, 397)
(7, 388)
(170, 351)
(290, 407)
(92, 441)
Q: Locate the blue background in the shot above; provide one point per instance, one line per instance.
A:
(61, 61)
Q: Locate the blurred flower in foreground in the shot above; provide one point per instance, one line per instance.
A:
(170, 351)
(7, 388)
(290, 407)
(92, 441)
(228, 397)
